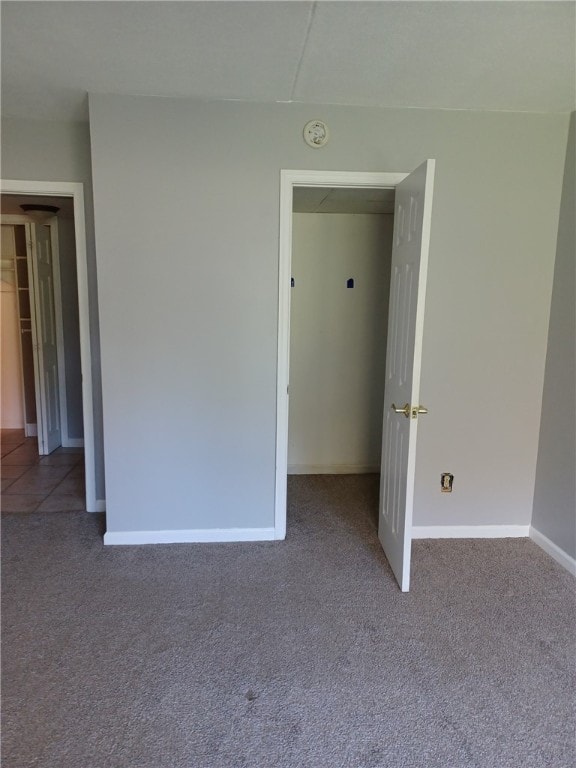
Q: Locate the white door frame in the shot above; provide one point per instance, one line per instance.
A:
(288, 180)
(75, 190)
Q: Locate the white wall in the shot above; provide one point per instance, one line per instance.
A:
(555, 494)
(38, 150)
(338, 341)
(188, 305)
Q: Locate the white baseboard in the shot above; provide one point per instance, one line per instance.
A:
(73, 442)
(195, 536)
(99, 506)
(565, 560)
(469, 531)
(334, 469)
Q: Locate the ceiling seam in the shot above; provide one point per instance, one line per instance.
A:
(303, 49)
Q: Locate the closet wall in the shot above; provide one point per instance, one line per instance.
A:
(338, 341)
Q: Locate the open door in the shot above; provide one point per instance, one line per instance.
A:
(44, 339)
(412, 217)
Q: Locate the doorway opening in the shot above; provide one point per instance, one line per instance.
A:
(42, 427)
(340, 285)
(401, 407)
(51, 357)
(357, 196)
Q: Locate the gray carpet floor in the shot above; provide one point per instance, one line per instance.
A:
(280, 654)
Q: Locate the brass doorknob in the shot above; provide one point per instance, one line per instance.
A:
(408, 411)
(405, 410)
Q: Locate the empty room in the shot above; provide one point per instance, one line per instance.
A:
(323, 386)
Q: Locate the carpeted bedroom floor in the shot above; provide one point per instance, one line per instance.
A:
(301, 653)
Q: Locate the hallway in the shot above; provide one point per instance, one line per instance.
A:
(33, 483)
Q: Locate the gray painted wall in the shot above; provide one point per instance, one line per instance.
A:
(37, 150)
(555, 493)
(187, 212)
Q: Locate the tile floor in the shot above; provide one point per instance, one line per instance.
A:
(33, 483)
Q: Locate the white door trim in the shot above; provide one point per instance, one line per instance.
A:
(288, 180)
(53, 224)
(75, 190)
(35, 312)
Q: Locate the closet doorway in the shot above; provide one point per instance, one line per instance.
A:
(340, 282)
(401, 409)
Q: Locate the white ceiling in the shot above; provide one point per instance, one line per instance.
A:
(342, 200)
(448, 55)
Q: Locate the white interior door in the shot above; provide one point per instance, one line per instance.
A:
(412, 217)
(44, 337)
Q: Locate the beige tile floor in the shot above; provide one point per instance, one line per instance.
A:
(33, 483)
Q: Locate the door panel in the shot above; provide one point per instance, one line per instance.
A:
(412, 216)
(44, 339)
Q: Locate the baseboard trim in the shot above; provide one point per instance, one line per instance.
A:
(335, 469)
(561, 557)
(194, 536)
(73, 442)
(470, 531)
